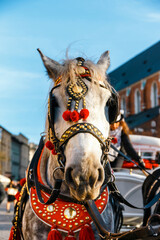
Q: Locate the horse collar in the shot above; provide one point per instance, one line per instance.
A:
(65, 215)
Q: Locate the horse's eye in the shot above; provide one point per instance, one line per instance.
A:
(112, 108)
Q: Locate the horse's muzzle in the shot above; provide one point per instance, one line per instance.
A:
(84, 184)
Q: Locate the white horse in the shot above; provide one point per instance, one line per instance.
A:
(80, 164)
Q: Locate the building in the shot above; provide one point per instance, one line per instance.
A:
(138, 84)
(5, 151)
(32, 149)
(14, 154)
(19, 156)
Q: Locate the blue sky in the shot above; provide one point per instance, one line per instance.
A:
(89, 28)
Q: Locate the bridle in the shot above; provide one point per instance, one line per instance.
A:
(60, 145)
(75, 129)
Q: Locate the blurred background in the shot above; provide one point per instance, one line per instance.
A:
(128, 29)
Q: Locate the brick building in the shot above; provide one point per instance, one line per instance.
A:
(138, 84)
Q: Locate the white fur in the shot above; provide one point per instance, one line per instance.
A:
(83, 151)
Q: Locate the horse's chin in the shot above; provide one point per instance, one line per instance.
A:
(86, 195)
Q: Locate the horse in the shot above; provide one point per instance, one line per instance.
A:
(73, 155)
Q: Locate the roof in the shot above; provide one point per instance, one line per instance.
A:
(139, 67)
(138, 119)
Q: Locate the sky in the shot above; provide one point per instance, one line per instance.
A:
(87, 28)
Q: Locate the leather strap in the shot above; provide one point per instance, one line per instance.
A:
(149, 232)
(115, 192)
(32, 175)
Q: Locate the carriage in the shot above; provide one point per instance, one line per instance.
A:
(70, 190)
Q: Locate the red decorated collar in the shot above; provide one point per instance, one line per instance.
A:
(66, 216)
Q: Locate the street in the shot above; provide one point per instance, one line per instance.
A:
(5, 220)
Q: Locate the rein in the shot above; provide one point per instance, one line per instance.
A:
(59, 144)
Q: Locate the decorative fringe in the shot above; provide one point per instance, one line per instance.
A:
(114, 140)
(75, 116)
(54, 234)
(14, 234)
(66, 115)
(51, 147)
(22, 181)
(17, 196)
(70, 236)
(86, 233)
(84, 113)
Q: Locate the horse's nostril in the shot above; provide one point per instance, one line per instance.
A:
(91, 181)
(100, 173)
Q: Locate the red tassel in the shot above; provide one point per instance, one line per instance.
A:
(54, 234)
(70, 236)
(74, 116)
(22, 181)
(114, 140)
(84, 113)
(54, 152)
(49, 145)
(86, 233)
(18, 236)
(17, 196)
(66, 115)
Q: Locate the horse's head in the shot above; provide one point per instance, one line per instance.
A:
(81, 97)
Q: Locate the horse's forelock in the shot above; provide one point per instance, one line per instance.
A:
(70, 71)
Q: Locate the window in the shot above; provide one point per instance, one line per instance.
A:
(154, 98)
(137, 101)
(123, 105)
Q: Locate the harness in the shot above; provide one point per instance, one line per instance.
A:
(50, 197)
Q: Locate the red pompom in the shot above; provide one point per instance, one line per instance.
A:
(70, 236)
(22, 181)
(17, 196)
(66, 115)
(54, 152)
(114, 140)
(49, 145)
(86, 233)
(74, 116)
(54, 234)
(84, 113)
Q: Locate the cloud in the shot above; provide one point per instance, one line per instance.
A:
(153, 17)
(14, 73)
(16, 80)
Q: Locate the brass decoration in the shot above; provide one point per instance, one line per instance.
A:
(70, 213)
(50, 208)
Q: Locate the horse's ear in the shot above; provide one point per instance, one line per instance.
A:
(104, 61)
(53, 67)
